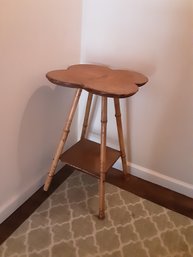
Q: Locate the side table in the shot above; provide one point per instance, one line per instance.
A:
(86, 155)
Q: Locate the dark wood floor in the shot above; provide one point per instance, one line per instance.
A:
(157, 194)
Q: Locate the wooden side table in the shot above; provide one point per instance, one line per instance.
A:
(88, 156)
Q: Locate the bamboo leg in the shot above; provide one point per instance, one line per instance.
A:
(120, 135)
(87, 112)
(62, 140)
(102, 158)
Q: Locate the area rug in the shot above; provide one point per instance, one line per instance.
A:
(66, 225)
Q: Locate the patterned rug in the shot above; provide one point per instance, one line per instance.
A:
(66, 225)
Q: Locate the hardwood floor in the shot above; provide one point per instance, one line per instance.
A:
(157, 194)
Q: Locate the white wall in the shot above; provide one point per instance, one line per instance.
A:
(35, 37)
(155, 38)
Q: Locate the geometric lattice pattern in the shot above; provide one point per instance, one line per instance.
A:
(66, 225)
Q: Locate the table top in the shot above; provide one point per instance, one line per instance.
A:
(98, 79)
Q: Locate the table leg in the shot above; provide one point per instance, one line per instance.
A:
(86, 117)
(120, 135)
(64, 136)
(102, 158)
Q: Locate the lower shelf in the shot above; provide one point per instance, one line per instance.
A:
(85, 156)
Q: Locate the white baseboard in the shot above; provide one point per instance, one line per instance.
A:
(17, 200)
(20, 197)
(153, 176)
(158, 178)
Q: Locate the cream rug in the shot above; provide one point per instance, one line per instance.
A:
(65, 225)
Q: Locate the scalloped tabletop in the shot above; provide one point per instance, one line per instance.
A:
(98, 79)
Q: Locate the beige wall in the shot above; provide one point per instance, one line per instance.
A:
(153, 37)
(35, 36)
